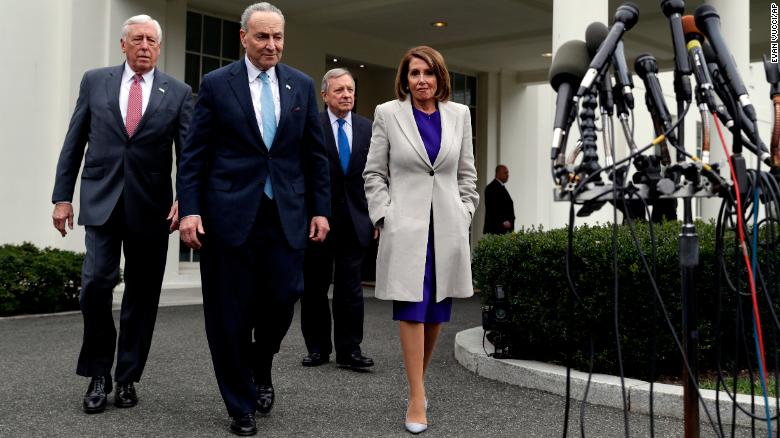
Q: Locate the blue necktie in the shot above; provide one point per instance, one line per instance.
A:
(343, 146)
(268, 113)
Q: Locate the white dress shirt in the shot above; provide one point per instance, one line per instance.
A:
(255, 89)
(124, 90)
(334, 124)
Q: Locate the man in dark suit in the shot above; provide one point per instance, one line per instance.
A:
(130, 115)
(253, 187)
(347, 138)
(499, 209)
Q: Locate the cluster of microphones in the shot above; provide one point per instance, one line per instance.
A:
(594, 72)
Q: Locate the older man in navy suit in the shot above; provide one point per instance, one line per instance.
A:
(347, 138)
(130, 115)
(253, 188)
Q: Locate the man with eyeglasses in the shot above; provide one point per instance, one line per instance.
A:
(130, 115)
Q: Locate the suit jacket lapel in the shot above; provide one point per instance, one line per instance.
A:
(448, 122)
(286, 93)
(358, 133)
(159, 87)
(330, 142)
(239, 83)
(113, 84)
(405, 119)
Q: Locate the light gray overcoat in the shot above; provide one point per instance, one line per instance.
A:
(402, 186)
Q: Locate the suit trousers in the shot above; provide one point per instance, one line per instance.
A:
(249, 295)
(342, 249)
(145, 255)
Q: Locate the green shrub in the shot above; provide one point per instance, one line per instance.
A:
(38, 281)
(548, 324)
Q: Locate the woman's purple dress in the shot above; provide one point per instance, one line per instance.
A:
(427, 310)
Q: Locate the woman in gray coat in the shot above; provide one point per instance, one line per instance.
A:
(420, 184)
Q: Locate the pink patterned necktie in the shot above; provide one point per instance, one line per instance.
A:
(134, 103)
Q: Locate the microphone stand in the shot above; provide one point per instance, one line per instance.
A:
(688, 250)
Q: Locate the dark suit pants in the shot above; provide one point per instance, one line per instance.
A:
(249, 295)
(145, 255)
(341, 248)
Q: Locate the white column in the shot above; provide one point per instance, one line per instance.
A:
(570, 20)
(572, 17)
(735, 27)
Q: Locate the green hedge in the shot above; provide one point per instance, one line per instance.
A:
(34, 280)
(548, 325)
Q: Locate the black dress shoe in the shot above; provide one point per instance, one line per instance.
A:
(315, 359)
(96, 397)
(354, 360)
(125, 396)
(244, 425)
(265, 398)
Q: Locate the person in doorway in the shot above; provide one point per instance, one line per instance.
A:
(499, 208)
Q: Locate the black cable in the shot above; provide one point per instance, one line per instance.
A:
(665, 313)
(654, 343)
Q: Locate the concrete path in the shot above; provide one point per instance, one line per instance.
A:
(41, 396)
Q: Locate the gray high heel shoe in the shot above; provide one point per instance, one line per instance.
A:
(415, 428)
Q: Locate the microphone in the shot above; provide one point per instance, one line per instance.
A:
(698, 61)
(673, 9)
(622, 75)
(708, 20)
(721, 88)
(595, 34)
(566, 71)
(626, 17)
(647, 69)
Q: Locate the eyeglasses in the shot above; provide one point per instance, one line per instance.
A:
(137, 41)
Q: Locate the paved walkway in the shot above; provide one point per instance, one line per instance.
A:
(41, 396)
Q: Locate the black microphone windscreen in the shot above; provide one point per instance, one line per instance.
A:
(569, 64)
(644, 64)
(705, 12)
(595, 34)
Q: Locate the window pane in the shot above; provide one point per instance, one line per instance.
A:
(212, 31)
(193, 32)
(471, 90)
(230, 42)
(192, 71)
(458, 88)
(226, 62)
(210, 64)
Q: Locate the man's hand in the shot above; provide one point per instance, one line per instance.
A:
(507, 225)
(318, 229)
(189, 228)
(62, 212)
(173, 216)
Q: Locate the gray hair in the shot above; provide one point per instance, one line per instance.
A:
(333, 74)
(258, 7)
(141, 19)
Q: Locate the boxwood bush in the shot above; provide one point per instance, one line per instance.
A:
(548, 324)
(34, 280)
